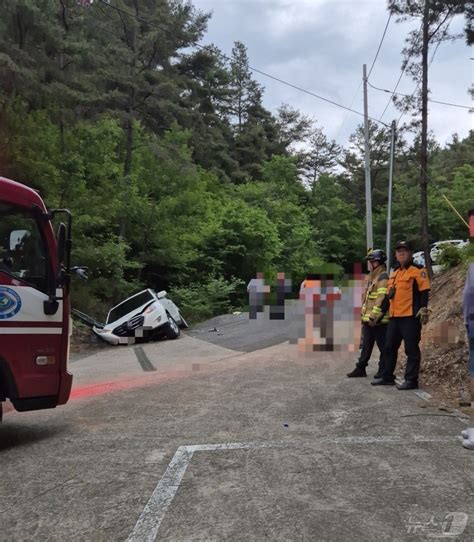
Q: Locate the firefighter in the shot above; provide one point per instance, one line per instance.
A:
(408, 291)
(374, 320)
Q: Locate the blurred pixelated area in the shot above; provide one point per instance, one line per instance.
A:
(327, 311)
(137, 335)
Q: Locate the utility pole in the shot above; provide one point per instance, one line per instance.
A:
(368, 191)
(424, 139)
(390, 189)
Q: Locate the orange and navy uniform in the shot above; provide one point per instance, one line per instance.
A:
(408, 290)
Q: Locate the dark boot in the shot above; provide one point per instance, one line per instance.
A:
(382, 382)
(357, 372)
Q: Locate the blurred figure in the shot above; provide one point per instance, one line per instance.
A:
(283, 287)
(319, 293)
(257, 289)
(374, 317)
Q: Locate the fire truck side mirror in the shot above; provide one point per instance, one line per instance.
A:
(61, 237)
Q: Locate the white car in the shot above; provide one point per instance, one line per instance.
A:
(144, 316)
(438, 246)
(419, 258)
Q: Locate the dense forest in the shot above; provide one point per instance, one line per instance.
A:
(177, 175)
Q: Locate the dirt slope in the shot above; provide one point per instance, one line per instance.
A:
(444, 343)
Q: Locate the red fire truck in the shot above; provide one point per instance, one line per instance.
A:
(34, 300)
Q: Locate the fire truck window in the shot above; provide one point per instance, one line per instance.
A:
(22, 247)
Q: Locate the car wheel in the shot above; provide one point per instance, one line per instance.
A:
(183, 324)
(173, 330)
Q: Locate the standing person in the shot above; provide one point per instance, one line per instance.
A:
(468, 306)
(257, 289)
(283, 287)
(330, 293)
(374, 319)
(408, 292)
(310, 293)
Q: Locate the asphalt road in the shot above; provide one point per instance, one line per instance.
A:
(213, 443)
(238, 332)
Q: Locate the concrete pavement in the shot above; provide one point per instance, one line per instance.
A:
(306, 453)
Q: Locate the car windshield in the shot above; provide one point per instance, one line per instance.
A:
(129, 305)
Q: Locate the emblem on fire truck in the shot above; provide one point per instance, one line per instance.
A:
(10, 303)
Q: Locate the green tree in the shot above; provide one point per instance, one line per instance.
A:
(339, 229)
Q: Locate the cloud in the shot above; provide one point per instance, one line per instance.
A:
(321, 46)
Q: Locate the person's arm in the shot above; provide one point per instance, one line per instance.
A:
(423, 283)
(377, 313)
(424, 287)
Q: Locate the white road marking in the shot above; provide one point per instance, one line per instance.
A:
(146, 528)
(149, 522)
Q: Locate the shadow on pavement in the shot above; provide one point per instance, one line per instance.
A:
(13, 435)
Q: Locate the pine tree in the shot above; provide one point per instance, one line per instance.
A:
(435, 17)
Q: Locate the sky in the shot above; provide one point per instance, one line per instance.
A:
(321, 45)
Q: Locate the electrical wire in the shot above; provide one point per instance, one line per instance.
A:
(429, 99)
(401, 75)
(345, 116)
(380, 45)
(370, 71)
(393, 92)
(256, 70)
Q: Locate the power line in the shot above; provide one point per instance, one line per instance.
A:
(311, 93)
(345, 116)
(380, 45)
(370, 71)
(393, 92)
(408, 95)
(256, 70)
(400, 78)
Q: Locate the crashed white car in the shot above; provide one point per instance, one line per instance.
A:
(143, 317)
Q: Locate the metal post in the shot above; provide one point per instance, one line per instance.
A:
(390, 187)
(368, 192)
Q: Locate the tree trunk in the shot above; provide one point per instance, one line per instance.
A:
(424, 141)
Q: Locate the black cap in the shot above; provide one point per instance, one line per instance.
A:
(404, 244)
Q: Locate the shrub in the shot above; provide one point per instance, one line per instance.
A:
(200, 301)
(450, 257)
